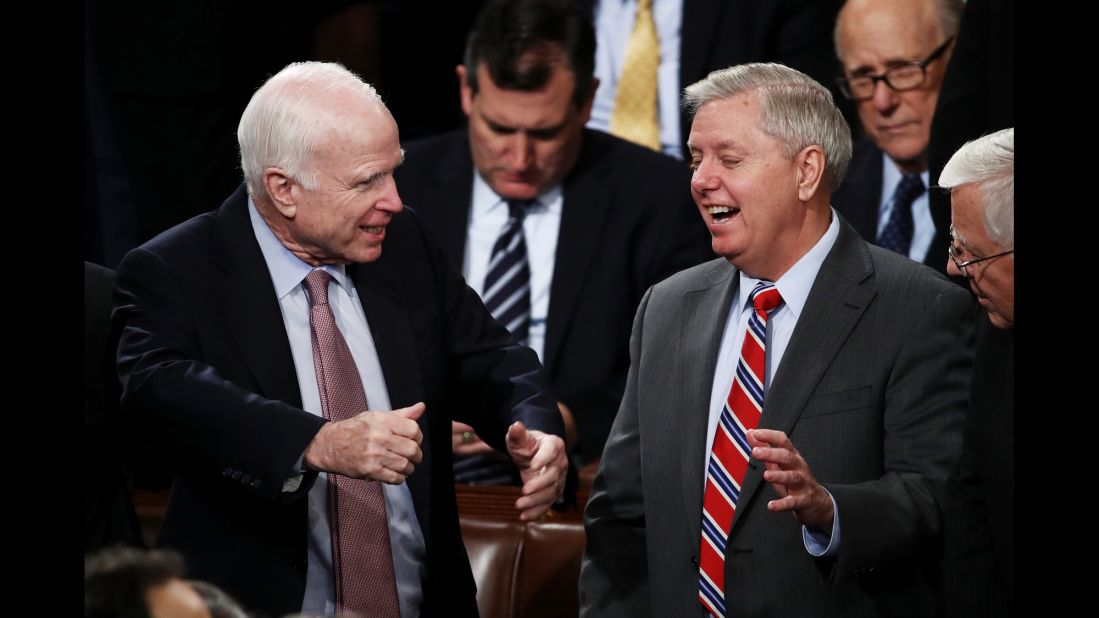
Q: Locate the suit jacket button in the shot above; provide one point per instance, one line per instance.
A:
(254, 484)
(226, 472)
(236, 474)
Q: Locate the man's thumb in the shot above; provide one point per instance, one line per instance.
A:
(414, 411)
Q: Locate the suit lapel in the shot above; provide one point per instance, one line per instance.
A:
(701, 326)
(378, 289)
(836, 301)
(247, 299)
(584, 212)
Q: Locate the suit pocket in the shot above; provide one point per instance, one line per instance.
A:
(841, 401)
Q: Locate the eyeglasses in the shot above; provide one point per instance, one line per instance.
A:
(956, 253)
(898, 78)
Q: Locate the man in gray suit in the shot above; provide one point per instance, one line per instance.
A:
(802, 487)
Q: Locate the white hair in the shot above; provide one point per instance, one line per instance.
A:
(794, 109)
(286, 119)
(989, 162)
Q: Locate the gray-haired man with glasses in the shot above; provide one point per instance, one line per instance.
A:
(981, 179)
(893, 57)
(978, 516)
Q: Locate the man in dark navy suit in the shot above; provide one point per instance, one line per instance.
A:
(894, 56)
(229, 354)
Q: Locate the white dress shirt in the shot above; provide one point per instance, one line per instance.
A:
(613, 25)
(487, 218)
(288, 273)
(794, 286)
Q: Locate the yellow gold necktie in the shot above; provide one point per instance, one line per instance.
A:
(634, 116)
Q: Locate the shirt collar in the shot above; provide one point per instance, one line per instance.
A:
(288, 270)
(794, 285)
(890, 176)
(486, 201)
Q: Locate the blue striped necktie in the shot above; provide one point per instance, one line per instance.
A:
(730, 453)
(507, 282)
(507, 298)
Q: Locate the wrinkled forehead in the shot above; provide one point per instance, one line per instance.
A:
(724, 121)
(890, 32)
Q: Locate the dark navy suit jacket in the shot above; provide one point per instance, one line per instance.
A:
(209, 377)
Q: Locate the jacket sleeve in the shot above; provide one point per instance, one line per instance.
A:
(614, 573)
(895, 518)
(204, 423)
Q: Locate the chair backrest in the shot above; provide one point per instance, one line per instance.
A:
(522, 569)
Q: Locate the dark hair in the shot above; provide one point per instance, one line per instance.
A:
(218, 602)
(517, 40)
(115, 580)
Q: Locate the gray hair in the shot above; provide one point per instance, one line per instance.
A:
(794, 109)
(286, 119)
(988, 161)
(950, 20)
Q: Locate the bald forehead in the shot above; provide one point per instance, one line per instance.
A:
(861, 18)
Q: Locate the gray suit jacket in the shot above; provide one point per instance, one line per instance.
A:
(871, 390)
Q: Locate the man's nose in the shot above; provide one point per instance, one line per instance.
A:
(520, 151)
(885, 98)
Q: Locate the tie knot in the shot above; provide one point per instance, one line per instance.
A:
(909, 188)
(517, 209)
(765, 298)
(317, 283)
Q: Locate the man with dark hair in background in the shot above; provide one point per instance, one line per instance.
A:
(559, 228)
(124, 582)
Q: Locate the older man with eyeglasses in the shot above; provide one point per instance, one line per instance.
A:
(893, 56)
(981, 179)
(979, 528)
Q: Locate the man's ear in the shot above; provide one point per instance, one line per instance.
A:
(279, 187)
(810, 164)
(585, 107)
(464, 89)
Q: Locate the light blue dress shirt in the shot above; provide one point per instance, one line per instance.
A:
(406, 539)
(613, 25)
(794, 286)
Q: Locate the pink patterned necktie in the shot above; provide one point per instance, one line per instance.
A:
(730, 453)
(361, 554)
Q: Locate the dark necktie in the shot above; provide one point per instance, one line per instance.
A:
(361, 554)
(507, 298)
(897, 235)
(507, 282)
(730, 452)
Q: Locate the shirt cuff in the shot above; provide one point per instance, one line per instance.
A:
(819, 544)
(292, 484)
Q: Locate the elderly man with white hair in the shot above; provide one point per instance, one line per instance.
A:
(301, 381)
(980, 523)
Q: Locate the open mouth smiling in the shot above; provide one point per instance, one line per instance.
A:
(722, 214)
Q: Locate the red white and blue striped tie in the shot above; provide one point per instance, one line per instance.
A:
(729, 457)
